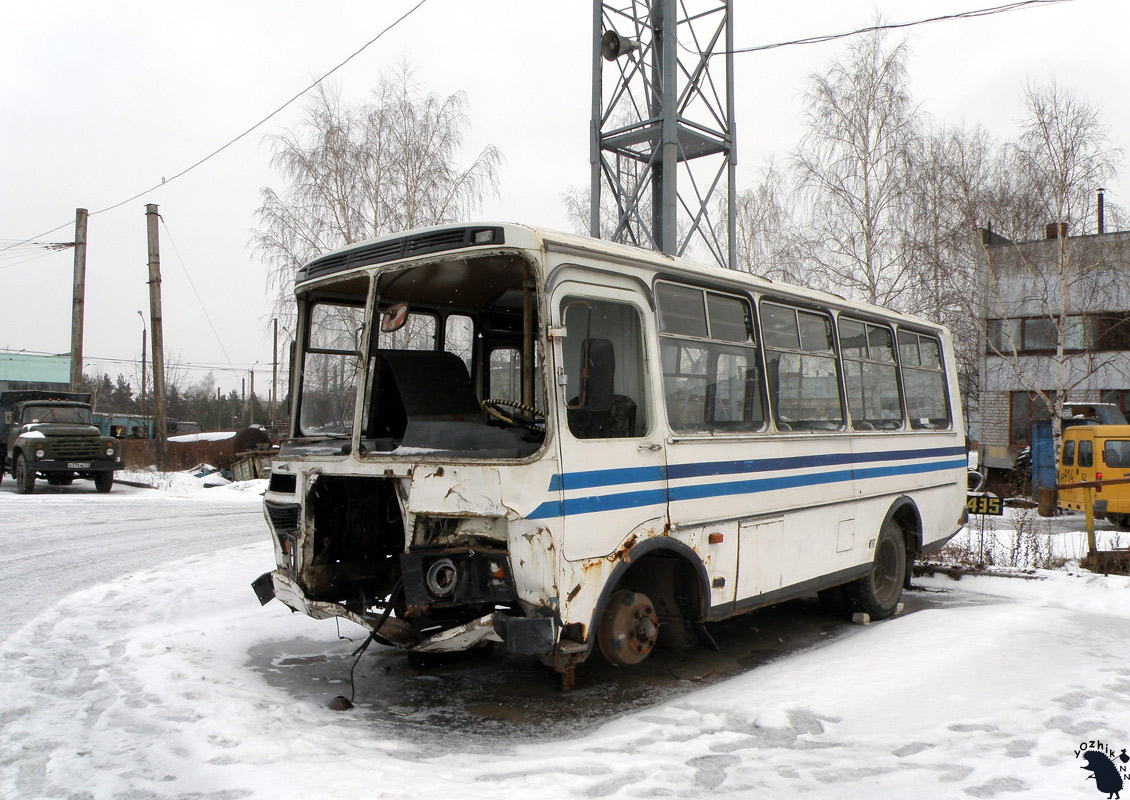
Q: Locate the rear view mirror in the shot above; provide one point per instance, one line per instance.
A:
(394, 318)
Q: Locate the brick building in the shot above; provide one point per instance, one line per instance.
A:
(1035, 294)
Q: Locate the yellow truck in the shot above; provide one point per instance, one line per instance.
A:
(1096, 453)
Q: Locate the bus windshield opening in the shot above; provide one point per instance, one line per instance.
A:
(443, 358)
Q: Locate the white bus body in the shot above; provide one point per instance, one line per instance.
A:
(661, 444)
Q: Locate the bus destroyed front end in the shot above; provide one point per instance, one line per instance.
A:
(451, 588)
(417, 388)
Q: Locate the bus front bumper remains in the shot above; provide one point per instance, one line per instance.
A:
(521, 635)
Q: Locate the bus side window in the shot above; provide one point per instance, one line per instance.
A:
(870, 376)
(804, 383)
(711, 380)
(1116, 453)
(459, 338)
(604, 370)
(923, 380)
(505, 375)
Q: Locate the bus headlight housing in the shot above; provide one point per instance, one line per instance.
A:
(441, 577)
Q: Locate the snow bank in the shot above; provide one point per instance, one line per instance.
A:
(207, 436)
(192, 482)
(144, 687)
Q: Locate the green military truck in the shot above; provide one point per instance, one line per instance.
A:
(51, 435)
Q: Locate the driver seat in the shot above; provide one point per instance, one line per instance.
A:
(604, 414)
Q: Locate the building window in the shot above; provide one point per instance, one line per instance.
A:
(1004, 335)
(1111, 331)
(1025, 408)
(1041, 334)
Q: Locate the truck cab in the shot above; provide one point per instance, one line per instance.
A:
(51, 435)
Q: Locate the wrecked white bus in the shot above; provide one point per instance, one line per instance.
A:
(504, 434)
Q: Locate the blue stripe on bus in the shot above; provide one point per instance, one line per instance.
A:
(592, 479)
(597, 503)
(606, 477)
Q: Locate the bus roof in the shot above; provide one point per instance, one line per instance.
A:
(490, 236)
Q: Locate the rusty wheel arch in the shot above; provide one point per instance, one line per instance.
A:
(905, 512)
(643, 553)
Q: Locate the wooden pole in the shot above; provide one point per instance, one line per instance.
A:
(155, 326)
(78, 298)
(144, 359)
(1089, 516)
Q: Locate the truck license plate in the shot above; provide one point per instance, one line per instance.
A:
(78, 465)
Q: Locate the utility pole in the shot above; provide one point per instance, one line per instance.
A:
(144, 358)
(662, 110)
(78, 298)
(251, 405)
(159, 431)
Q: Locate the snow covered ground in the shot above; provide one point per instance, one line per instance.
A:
(172, 682)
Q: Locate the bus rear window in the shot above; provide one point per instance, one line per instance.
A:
(924, 381)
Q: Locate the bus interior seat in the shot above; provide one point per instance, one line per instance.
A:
(421, 385)
(605, 414)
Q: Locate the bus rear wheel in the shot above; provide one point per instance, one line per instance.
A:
(877, 594)
(628, 628)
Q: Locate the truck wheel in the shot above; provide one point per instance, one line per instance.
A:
(104, 481)
(877, 594)
(25, 478)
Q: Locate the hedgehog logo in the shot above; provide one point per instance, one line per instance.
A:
(1106, 769)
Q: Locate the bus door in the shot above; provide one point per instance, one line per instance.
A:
(612, 481)
(1068, 471)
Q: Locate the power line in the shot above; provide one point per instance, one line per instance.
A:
(224, 147)
(176, 250)
(973, 14)
(196, 366)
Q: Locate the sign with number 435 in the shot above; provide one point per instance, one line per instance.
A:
(987, 504)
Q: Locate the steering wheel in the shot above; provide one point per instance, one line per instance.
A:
(515, 413)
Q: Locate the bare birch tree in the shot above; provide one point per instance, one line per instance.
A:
(852, 167)
(356, 172)
(1057, 287)
(767, 241)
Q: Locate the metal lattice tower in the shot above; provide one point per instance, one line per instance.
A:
(662, 142)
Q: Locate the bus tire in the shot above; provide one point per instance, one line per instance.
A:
(25, 477)
(877, 594)
(628, 628)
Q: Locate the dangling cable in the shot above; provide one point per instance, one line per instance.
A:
(360, 651)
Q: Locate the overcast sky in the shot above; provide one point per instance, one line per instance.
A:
(100, 101)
